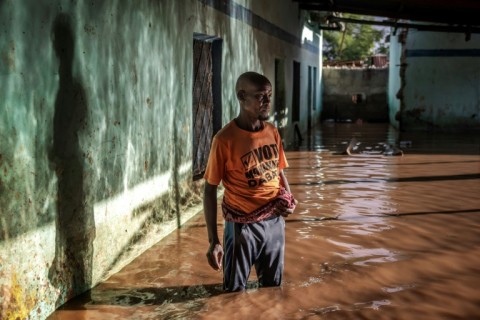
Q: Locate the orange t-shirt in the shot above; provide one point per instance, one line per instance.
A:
(248, 164)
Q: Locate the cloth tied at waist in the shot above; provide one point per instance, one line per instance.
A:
(266, 211)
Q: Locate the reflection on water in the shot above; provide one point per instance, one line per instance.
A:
(374, 237)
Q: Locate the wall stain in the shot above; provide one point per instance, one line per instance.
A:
(89, 29)
(134, 73)
(8, 57)
(16, 302)
(415, 113)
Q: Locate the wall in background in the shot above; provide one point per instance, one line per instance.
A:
(352, 94)
(439, 89)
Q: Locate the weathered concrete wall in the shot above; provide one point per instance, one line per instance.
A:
(96, 134)
(441, 90)
(339, 85)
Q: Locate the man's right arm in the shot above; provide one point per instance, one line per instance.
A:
(215, 250)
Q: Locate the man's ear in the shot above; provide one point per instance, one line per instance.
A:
(241, 95)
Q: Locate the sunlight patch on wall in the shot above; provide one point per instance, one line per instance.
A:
(124, 203)
(307, 35)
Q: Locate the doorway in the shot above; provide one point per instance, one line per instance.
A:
(279, 105)
(315, 85)
(296, 92)
(309, 100)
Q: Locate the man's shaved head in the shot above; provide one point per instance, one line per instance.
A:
(249, 80)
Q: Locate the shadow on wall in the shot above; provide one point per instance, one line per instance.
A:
(71, 270)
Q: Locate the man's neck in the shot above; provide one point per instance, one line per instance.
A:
(247, 124)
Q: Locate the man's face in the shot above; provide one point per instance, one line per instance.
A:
(257, 101)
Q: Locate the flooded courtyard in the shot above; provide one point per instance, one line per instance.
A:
(373, 237)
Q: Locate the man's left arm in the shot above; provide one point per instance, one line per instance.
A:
(281, 209)
(284, 181)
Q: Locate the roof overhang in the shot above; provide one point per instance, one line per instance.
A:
(459, 13)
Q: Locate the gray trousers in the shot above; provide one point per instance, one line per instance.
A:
(246, 244)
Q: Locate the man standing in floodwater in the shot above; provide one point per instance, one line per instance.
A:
(247, 157)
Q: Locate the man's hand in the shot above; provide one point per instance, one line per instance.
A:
(215, 251)
(215, 255)
(281, 210)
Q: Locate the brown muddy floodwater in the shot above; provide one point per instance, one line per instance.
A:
(374, 237)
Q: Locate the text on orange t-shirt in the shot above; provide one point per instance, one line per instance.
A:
(248, 165)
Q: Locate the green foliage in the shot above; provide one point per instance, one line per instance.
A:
(356, 42)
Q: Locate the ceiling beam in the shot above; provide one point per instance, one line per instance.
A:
(422, 27)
